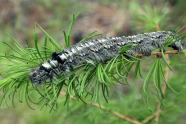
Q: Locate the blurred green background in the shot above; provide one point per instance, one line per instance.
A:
(111, 18)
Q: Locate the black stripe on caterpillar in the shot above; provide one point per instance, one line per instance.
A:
(99, 51)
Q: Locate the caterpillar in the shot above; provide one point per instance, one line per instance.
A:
(99, 51)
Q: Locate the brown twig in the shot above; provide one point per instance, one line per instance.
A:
(157, 27)
(159, 53)
(149, 118)
(131, 120)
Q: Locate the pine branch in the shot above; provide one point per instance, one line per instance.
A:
(159, 53)
(159, 110)
(132, 120)
(157, 113)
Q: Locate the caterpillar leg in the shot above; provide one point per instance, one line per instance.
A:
(142, 49)
(131, 52)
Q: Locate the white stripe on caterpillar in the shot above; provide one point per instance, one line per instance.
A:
(99, 51)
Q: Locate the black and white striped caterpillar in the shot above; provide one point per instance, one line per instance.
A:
(99, 51)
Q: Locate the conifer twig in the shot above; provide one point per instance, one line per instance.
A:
(159, 53)
(131, 120)
(149, 118)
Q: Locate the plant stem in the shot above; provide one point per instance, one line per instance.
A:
(131, 120)
(159, 53)
(157, 27)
